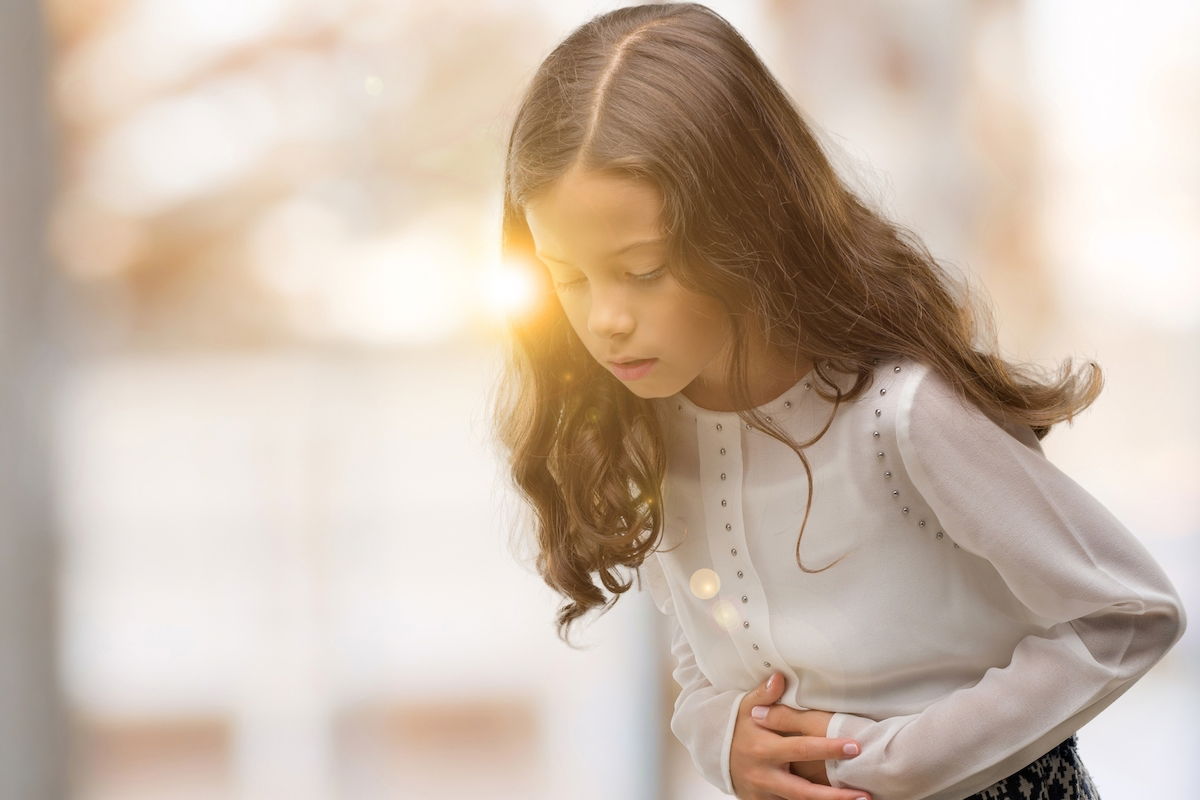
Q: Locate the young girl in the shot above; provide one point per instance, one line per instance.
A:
(732, 355)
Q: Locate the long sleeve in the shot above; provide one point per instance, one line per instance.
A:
(704, 716)
(1108, 609)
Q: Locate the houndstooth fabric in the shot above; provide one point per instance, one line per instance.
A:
(1057, 775)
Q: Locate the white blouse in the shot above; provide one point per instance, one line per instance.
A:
(986, 607)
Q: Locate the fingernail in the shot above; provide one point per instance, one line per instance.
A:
(759, 712)
(851, 749)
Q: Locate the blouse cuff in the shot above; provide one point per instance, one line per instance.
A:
(843, 726)
(727, 742)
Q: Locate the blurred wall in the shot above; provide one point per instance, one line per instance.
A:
(284, 565)
(32, 733)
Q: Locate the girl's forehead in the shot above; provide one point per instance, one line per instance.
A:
(592, 209)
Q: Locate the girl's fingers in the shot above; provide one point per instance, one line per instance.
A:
(811, 748)
(792, 787)
(782, 718)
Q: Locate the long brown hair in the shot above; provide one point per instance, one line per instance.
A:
(755, 215)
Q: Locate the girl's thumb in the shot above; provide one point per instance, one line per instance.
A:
(773, 683)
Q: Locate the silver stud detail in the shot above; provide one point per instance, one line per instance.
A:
(767, 664)
(755, 646)
(895, 492)
(939, 534)
(883, 391)
(746, 623)
(879, 454)
(887, 474)
(745, 599)
(875, 434)
(747, 426)
(729, 527)
(904, 510)
(878, 412)
(956, 547)
(733, 551)
(722, 476)
(739, 573)
(787, 403)
(723, 502)
(768, 419)
(722, 451)
(807, 385)
(895, 369)
(921, 523)
(718, 426)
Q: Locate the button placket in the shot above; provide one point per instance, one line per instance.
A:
(722, 459)
(756, 647)
(887, 474)
(722, 442)
(728, 521)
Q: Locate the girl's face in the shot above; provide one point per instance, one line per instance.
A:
(601, 239)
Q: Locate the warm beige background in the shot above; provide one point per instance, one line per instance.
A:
(284, 566)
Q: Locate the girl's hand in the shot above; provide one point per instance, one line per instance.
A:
(791, 722)
(765, 765)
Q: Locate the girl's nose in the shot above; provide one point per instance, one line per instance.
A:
(609, 316)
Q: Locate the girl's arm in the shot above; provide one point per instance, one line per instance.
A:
(704, 717)
(1111, 613)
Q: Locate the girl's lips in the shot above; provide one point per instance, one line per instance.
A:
(633, 370)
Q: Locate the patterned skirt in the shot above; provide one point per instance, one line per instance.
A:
(1057, 775)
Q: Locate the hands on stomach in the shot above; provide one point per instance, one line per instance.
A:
(783, 754)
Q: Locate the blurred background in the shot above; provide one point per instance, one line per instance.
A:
(256, 537)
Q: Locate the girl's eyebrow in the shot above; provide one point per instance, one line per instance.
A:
(617, 252)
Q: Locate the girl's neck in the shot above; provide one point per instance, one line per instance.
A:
(770, 374)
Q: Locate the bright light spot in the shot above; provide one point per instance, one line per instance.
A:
(373, 85)
(705, 583)
(508, 290)
(725, 614)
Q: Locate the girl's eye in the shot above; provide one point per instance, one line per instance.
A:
(645, 276)
(649, 276)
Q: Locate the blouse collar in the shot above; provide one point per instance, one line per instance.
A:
(679, 406)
